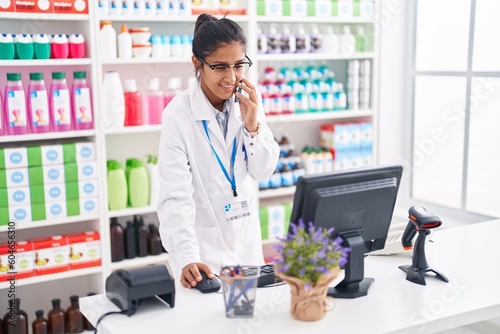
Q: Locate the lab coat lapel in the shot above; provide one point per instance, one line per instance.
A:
(233, 124)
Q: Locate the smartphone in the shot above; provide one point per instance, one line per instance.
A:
(236, 98)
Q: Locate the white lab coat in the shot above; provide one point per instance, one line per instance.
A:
(194, 190)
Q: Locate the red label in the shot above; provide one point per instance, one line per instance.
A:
(7, 6)
(71, 6)
(34, 6)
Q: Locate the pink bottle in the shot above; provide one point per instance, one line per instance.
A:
(81, 102)
(60, 105)
(76, 44)
(59, 46)
(155, 102)
(133, 104)
(1, 116)
(15, 105)
(38, 104)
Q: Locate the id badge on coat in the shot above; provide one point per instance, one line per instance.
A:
(237, 209)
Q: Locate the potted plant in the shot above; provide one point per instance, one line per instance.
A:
(309, 261)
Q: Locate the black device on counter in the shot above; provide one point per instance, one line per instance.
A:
(207, 285)
(422, 221)
(126, 288)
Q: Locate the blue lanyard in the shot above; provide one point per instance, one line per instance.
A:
(231, 179)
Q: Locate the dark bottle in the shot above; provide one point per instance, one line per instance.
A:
(130, 252)
(117, 241)
(74, 318)
(86, 324)
(141, 237)
(154, 240)
(56, 318)
(15, 321)
(40, 325)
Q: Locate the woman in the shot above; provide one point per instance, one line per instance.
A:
(212, 149)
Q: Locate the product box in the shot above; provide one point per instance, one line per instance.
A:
(7, 6)
(297, 8)
(354, 136)
(77, 152)
(270, 7)
(84, 250)
(89, 206)
(15, 196)
(366, 135)
(52, 155)
(51, 255)
(33, 6)
(11, 178)
(341, 161)
(205, 6)
(20, 262)
(341, 136)
(13, 157)
(71, 6)
(345, 8)
(323, 8)
(364, 8)
(55, 210)
(233, 7)
(366, 157)
(81, 171)
(20, 214)
(88, 188)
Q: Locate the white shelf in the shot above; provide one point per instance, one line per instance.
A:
(52, 222)
(165, 19)
(135, 129)
(131, 212)
(46, 62)
(314, 19)
(141, 61)
(317, 116)
(47, 136)
(313, 56)
(44, 16)
(279, 192)
(53, 277)
(140, 261)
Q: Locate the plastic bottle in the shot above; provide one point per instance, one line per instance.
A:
(154, 184)
(275, 179)
(261, 40)
(165, 42)
(124, 43)
(175, 8)
(15, 320)
(56, 318)
(163, 8)
(141, 235)
(128, 7)
(286, 175)
(130, 247)
(303, 40)
(151, 8)
(7, 47)
(86, 323)
(287, 40)
(117, 186)
(59, 46)
(175, 46)
(155, 101)
(347, 41)
(331, 41)
(15, 105)
(139, 7)
(38, 104)
(133, 104)
(113, 102)
(83, 117)
(361, 40)
(76, 45)
(107, 37)
(103, 7)
(74, 318)
(185, 7)
(154, 240)
(24, 46)
(273, 40)
(156, 46)
(186, 46)
(115, 7)
(117, 241)
(340, 98)
(138, 183)
(316, 39)
(174, 88)
(40, 325)
(60, 104)
(41, 46)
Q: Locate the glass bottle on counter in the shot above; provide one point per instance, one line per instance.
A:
(74, 318)
(15, 321)
(56, 318)
(154, 240)
(40, 325)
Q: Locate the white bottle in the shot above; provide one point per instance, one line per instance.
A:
(303, 40)
(175, 46)
(115, 7)
(316, 39)
(113, 103)
(124, 43)
(128, 7)
(174, 9)
(139, 7)
(157, 46)
(107, 36)
(163, 7)
(185, 7)
(287, 40)
(273, 39)
(347, 42)
(165, 42)
(151, 7)
(261, 41)
(331, 41)
(103, 7)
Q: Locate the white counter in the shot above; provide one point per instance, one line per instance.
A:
(469, 256)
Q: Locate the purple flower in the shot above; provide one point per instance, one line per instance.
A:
(342, 261)
(321, 269)
(302, 272)
(290, 251)
(322, 253)
(300, 258)
(313, 260)
(307, 286)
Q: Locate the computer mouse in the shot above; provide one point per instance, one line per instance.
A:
(207, 285)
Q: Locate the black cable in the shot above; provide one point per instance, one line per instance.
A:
(105, 315)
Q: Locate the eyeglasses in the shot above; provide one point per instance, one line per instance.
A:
(221, 70)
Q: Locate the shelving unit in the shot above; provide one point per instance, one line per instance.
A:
(142, 140)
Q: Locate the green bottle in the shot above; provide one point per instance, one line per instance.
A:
(138, 183)
(117, 186)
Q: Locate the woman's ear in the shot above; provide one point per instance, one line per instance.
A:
(196, 62)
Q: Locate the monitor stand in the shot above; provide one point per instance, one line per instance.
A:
(354, 284)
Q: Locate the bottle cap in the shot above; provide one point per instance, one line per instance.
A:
(79, 74)
(174, 83)
(39, 313)
(130, 85)
(154, 84)
(74, 299)
(113, 164)
(36, 76)
(13, 76)
(124, 29)
(58, 75)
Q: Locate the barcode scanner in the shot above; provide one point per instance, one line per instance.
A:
(421, 221)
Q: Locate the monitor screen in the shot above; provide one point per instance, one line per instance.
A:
(358, 204)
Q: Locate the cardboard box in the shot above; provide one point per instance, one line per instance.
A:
(33, 6)
(51, 255)
(232, 7)
(81, 171)
(15, 196)
(7, 6)
(77, 152)
(13, 157)
(297, 8)
(84, 250)
(323, 8)
(18, 214)
(345, 8)
(11, 178)
(18, 258)
(52, 155)
(205, 6)
(71, 6)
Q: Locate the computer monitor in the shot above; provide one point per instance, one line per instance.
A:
(358, 204)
